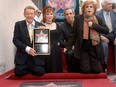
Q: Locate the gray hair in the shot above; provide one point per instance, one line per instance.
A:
(104, 2)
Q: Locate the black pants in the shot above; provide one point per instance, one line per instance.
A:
(70, 60)
(29, 67)
(89, 62)
(115, 55)
(76, 65)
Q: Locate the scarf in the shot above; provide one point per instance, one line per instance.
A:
(94, 35)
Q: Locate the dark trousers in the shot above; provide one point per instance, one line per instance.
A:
(89, 63)
(115, 55)
(76, 65)
(29, 67)
(69, 60)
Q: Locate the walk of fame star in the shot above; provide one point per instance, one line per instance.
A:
(42, 37)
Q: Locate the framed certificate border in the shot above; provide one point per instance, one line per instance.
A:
(41, 41)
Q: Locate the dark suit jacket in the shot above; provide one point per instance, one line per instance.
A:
(21, 40)
(65, 30)
(76, 36)
(111, 35)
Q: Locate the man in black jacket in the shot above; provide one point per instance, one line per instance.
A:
(65, 30)
(26, 59)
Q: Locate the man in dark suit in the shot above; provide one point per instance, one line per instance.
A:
(107, 38)
(65, 30)
(26, 59)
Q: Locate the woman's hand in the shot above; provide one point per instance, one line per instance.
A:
(104, 39)
(90, 24)
(42, 27)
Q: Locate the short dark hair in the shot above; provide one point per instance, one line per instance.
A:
(68, 9)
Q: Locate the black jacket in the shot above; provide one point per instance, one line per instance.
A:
(65, 30)
(76, 36)
(21, 40)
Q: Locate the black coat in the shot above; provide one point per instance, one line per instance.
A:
(76, 36)
(65, 30)
(21, 40)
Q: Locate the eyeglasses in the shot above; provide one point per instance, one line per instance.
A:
(38, 12)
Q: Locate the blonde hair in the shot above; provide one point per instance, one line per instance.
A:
(87, 3)
(29, 7)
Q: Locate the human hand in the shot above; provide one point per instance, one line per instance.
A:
(32, 52)
(90, 24)
(104, 39)
(42, 27)
(64, 50)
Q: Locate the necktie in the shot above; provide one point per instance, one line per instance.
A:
(108, 21)
(30, 30)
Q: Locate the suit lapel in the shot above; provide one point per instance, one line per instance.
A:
(26, 31)
(82, 20)
(36, 24)
(102, 16)
(112, 17)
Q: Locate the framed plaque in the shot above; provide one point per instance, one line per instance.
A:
(41, 42)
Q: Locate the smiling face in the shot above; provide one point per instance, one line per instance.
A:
(29, 14)
(49, 16)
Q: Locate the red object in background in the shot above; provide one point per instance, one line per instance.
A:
(111, 60)
(87, 80)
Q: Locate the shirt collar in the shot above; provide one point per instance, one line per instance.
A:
(33, 23)
(104, 12)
